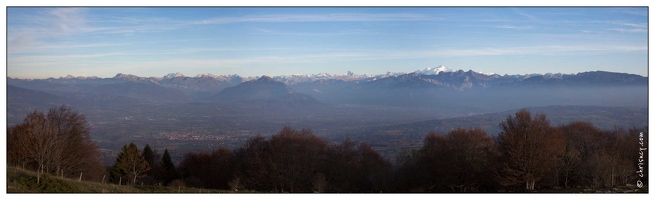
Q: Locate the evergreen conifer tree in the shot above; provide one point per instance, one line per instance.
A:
(169, 168)
(149, 156)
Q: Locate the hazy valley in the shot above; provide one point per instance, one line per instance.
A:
(390, 111)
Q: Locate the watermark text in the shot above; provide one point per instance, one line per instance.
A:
(640, 161)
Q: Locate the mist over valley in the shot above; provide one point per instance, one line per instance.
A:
(390, 111)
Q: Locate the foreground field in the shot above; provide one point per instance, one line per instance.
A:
(24, 181)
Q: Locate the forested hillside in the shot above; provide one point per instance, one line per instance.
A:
(529, 154)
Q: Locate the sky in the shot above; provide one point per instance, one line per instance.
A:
(45, 42)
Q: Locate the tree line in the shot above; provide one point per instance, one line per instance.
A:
(528, 154)
(146, 166)
(57, 143)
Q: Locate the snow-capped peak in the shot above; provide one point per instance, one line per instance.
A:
(173, 75)
(206, 75)
(488, 73)
(322, 74)
(434, 71)
(442, 68)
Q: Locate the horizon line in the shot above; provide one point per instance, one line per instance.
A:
(69, 76)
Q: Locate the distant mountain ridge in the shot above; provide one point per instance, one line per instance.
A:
(439, 76)
(394, 107)
(264, 89)
(428, 87)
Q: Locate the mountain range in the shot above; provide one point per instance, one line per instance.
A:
(451, 92)
(207, 86)
(172, 110)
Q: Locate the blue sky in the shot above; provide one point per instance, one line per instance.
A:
(144, 41)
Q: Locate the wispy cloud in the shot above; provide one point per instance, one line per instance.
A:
(53, 23)
(63, 47)
(335, 17)
(68, 19)
(399, 55)
(275, 32)
(504, 51)
(633, 30)
(519, 28)
(58, 58)
(539, 50)
(37, 31)
(132, 60)
(337, 56)
(635, 11)
(51, 37)
(52, 20)
(638, 25)
(58, 22)
(630, 27)
(530, 17)
(135, 20)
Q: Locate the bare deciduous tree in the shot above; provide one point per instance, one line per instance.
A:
(460, 161)
(529, 149)
(58, 143)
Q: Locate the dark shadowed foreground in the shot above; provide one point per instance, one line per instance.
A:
(528, 155)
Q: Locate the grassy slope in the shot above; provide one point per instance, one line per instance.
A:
(23, 181)
(16, 183)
